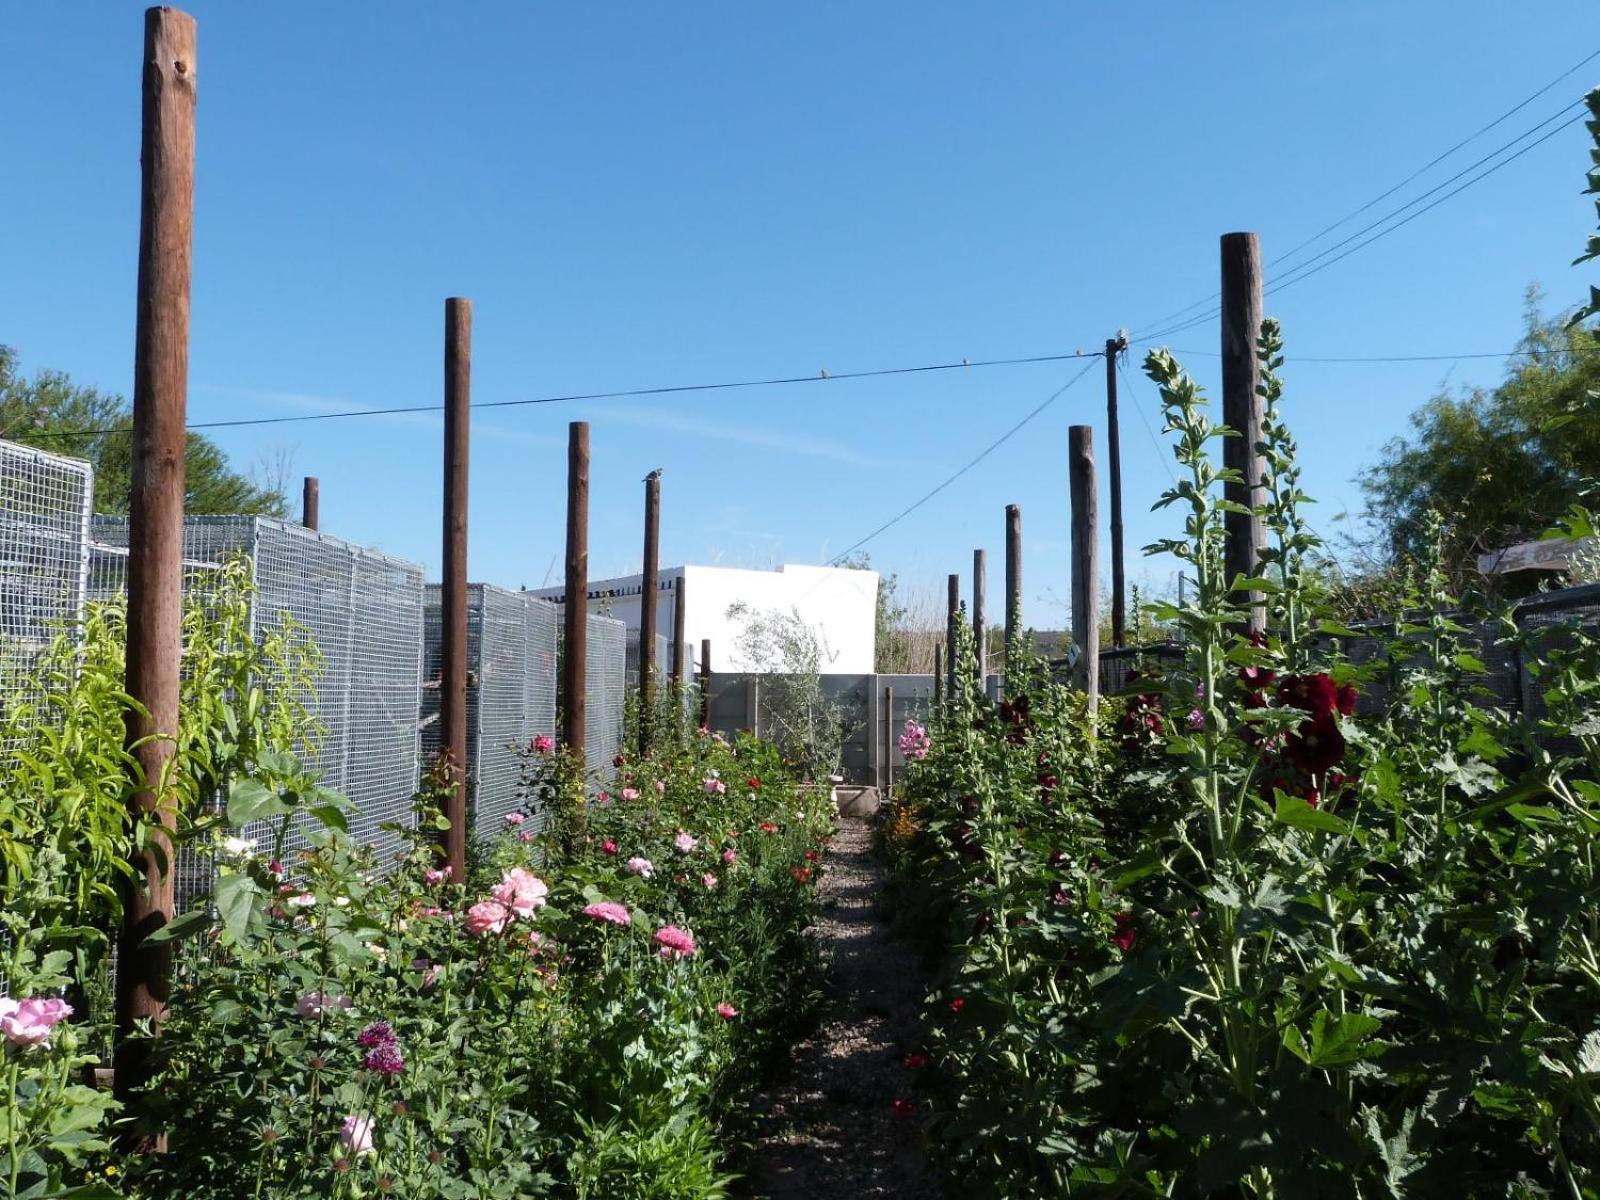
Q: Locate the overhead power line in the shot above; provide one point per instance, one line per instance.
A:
(983, 454)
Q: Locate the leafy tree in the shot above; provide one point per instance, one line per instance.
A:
(37, 411)
(1503, 463)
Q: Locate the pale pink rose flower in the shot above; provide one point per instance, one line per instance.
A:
(543, 744)
(715, 787)
(487, 917)
(29, 1022)
(355, 1135)
(630, 793)
(708, 881)
(730, 857)
(303, 900)
(433, 877)
(727, 1011)
(515, 818)
(684, 843)
(642, 867)
(521, 891)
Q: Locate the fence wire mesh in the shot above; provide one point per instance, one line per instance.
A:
(605, 684)
(511, 693)
(44, 532)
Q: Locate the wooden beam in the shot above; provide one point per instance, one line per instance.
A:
(453, 592)
(575, 611)
(649, 587)
(310, 502)
(1013, 584)
(1242, 408)
(1085, 562)
(980, 579)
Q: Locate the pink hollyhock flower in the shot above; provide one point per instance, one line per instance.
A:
(433, 878)
(608, 847)
(610, 912)
(914, 741)
(715, 787)
(727, 1011)
(535, 941)
(486, 917)
(515, 818)
(730, 857)
(672, 942)
(29, 1022)
(314, 1004)
(708, 881)
(521, 891)
(385, 1059)
(630, 793)
(684, 843)
(642, 867)
(355, 1135)
(543, 744)
(661, 787)
(303, 900)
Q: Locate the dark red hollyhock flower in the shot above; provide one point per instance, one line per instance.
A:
(1048, 783)
(903, 1108)
(916, 1060)
(1057, 857)
(1317, 745)
(958, 1004)
(1058, 894)
(1122, 936)
(753, 784)
(1316, 694)
(1346, 698)
(812, 856)
(1313, 797)
(617, 762)
(1256, 678)
(969, 805)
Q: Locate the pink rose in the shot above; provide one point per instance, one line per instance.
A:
(708, 881)
(715, 787)
(515, 818)
(29, 1022)
(608, 847)
(730, 857)
(661, 787)
(727, 1011)
(521, 891)
(433, 878)
(543, 744)
(684, 843)
(642, 867)
(487, 917)
(630, 793)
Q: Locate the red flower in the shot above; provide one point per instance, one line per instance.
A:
(916, 1060)
(1347, 698)
(958, 1004)
(1316, 745)
(803, 874)
(812, 856)
(1122, 936)
(753, 784)
(1316, 694)
(903, 1108)
(768, 827)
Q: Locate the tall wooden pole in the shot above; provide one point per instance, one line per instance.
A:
(649, 587)
(1242, 408)
(680, 648)
(453, 593)
(938, 677)
(1013, 584)
(980, 579)
(705, 683)
(310, 502)
(952, 632)
(1119, 632)
(155, 534)
(575, 612)
(1085, 562)
(888, 741)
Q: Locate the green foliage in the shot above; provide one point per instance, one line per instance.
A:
(1592, 250)
(807, 725)
(1503, 462)
(37, 411)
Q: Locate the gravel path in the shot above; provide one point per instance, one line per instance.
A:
(827, 1127)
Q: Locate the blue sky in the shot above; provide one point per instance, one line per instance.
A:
(637, 195)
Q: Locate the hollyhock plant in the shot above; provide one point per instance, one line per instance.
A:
(1122, 935)
(487, 917)
(29, 1022)
(672, 942)
(610, 912)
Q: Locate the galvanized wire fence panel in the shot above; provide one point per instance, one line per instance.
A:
(511, 693)
(605, 688)
(44, 533)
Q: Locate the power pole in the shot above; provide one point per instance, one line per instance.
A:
(1114, 347)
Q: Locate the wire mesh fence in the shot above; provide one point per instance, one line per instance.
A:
(511, 693)
(44, 532)
(605, 685)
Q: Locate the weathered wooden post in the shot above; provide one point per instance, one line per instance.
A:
(648, 587)
(1119, 633)
(953, 634)
(1013, 585)
(888, 741)
(1085, 562)
(155, 533)
(575, 613)
(453, 591)
(980, 574)
(1242, 409)
(705, 683)
(938, 677)
(310, 497)
(680, 646)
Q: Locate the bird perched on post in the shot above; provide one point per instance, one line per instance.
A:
(656, 474)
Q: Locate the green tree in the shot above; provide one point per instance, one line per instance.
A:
(37, 411)
(1503, 463)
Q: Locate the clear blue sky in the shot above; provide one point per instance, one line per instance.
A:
(643, 194)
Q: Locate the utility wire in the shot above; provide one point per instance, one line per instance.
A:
(823, 377)
(1161, 453)
(1393, 358)
(983, 454)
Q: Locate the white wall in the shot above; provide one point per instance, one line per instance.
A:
(839, 603)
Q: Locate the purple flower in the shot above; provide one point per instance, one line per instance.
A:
(385, 1059)
(379, 1033)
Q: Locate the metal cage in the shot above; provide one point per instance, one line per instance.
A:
(605, 684)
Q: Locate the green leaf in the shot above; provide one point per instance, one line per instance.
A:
(1337, 1040)
(1298, 814)
(331, 816)
(251, 800)
(235, 897)
(186, 926)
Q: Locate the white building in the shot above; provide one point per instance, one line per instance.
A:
(840, 603)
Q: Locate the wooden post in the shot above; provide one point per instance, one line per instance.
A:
(575, 612)
(980, 579)
(1242, 409)
(680, 647)
(888, 741)
(1013, 583)
(1119, 632)
(705, 683)
(953, 633)
(752, 704)
(453, 592)
(310, 495)
(1085, 562)
(649, 585)
(938, 677)
(155, 533)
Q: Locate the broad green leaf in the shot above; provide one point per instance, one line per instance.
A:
(1298, 814)
(251, 800)
(175, 930)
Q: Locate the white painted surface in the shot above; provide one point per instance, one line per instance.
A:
(838, 602)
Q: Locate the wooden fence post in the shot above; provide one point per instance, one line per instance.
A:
(155, 534)
(680, 647)
(953, 634)
(1242, 409)
(752, 704)
(310, 497)
(575, 613)
(648, 587)
(1119, 618)
(453, 592)
(980, 578)
(938, 677)
(888, 741)
(1013, 584)
(705, 683)
(1085, 562)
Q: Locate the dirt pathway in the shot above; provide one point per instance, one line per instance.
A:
(828, 1127)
